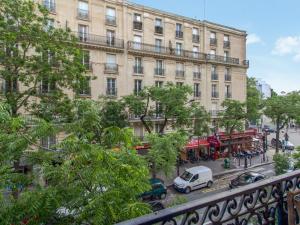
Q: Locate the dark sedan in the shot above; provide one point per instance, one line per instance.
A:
(246, 178)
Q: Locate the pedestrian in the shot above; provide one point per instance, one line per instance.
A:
(286, 137)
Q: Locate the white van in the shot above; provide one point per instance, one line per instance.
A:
(194, 178)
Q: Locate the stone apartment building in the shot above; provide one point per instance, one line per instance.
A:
(130, 46)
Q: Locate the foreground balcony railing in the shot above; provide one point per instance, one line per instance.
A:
(99, 40)
(263, 203)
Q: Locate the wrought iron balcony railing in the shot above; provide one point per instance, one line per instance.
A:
(147, 47)
(261, 203)
(215, 113)
(197, 75)
(227, 77)
(246, 63)
(214, 76)
(82, 14)
(110, 20)
(179, 34)
(138, 69)
(137, 25)
(159, 71)
(111, 68)
(213, 41)
(215, 94)
(226, 44)
(196, 38)
(99, 40)
(111, 92)
(179, 74)
(50, 5)
(159, 30)
(222, 59)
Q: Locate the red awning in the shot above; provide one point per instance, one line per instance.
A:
(196, 144)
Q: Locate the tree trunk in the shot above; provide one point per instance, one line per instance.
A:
(153, 170)
(229, 148)
(277, 136)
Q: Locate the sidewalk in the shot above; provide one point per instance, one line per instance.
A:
(218, 168)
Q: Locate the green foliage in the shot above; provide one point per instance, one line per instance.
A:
(164, 150)
(172, 104)
(296, 157)
(254, 100)
(32, 54)
(87, 182)
(281, 163)
(178, 200)
(201, 121)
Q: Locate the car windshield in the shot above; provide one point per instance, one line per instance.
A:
(186, 176)
(245, 178)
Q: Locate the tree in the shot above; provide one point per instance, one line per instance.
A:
(282, 163)
(201, 121)
(169, 102)
(282, 108)
(254, 101)
(37, 62)
(86, 182)
(232, 118)
(164, 151)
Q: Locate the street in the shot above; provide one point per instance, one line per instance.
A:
(294, 136)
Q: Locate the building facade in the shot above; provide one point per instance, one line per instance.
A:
(264, 88)
(130, 46)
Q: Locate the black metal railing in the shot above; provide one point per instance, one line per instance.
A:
(137, 25)
(111, 20)
(197, 75)
(82, 14)
(215, 94)
(215, 113)
(227, 77)
(159, 71)
(100, 40)
(178, 34)
(138, 69)
(111, 68)
(159, 30)
(180, 73)
(228, 95)
(196, 38)
(214, 76)
(261, 203)
(213, 41)
(147, 47)
(222, 59)
(246, 63)
(50, 5)
(226, 44)
(111, 92)
(84, 92)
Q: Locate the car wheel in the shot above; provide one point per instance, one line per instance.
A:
(163, 196)
(187, 190)
(209, 184)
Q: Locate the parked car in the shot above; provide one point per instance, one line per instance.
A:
(268, 129)
(158, 190)
(288, 145)
(156, 205)
(194, 178)
(246, 178)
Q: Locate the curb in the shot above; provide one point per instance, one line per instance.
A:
(218, 175)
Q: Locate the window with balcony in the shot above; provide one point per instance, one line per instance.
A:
(111, 87)
(110, 37)
(179, 32)
(137, 42)
(195, 52)
(159, 83)
(83, 10)
(83, 31)
(111, 65)
(179, 50)
(196, 37)
(179, 70)
(213, 38)
(158, 45)
(85, 87)
(226, 56)
(197, 72)
(47, 85)
(9, 85)
(214, 75)
(158, 110)
(214, 91)
(226, 41)
(50, 5)
(158, 26)
(138, 65)
(197, 92)
(159, 70)
(227, 74)
(228, 91)
(137, 86)
(49, 142)
(111, 17)
(86, 60)
(137, 22)
(212, 54)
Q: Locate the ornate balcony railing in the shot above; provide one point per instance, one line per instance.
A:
(179, 74)
(111, 68)
(159, 71)
(196, 38)
(82, 14)
(261, 203)
(215, 113)
(137, 25)
(147, 47)
(215, 94)
(111, 20)
(99, 40)
(179, 34)
(112, 92)
(197, 75)
(159, 30)
(214, 76)
(226, 44)
(222, 59)
(213, 41)
(138, 69)
(246, 63)
(227, 77)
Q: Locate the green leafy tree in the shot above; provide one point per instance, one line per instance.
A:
(281, 109)
(232, 118)
(37, 62)
(282, 163)
(254, 101)
(77, 181)
(201, 121)
(170, 101)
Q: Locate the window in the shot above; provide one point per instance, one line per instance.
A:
(213, 38)
(158, 26)
(178, 27)
(213, 35)
(111, 63)
(227, 74)
(85, 87)
(197, 73)
(137, 17)
(110, 35)
(212, 54)
(158, 44)
(111, 16)
(195, 52)
(179, 33)
(86, 59)
(49, 25)
(158, 128)
(197, 92)
(111, 87)
(137, 86)
(158, 22)
(9, 85)
(137, 22)
(159, 83)
(158, 110)
(83, 10)
(47, 85)
(137, 41)
(226, 37)
(48, 142)
(196, 37)
(226, 56)
(226, 41)
(138, 68)
(214, 91)
(179, 84)
(227, 91)
(214, 75)
(83, 32)
(159, 70)
(179, 70)
(50, 5)
(179, 49)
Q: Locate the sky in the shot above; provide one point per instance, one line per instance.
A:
(273, 42)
